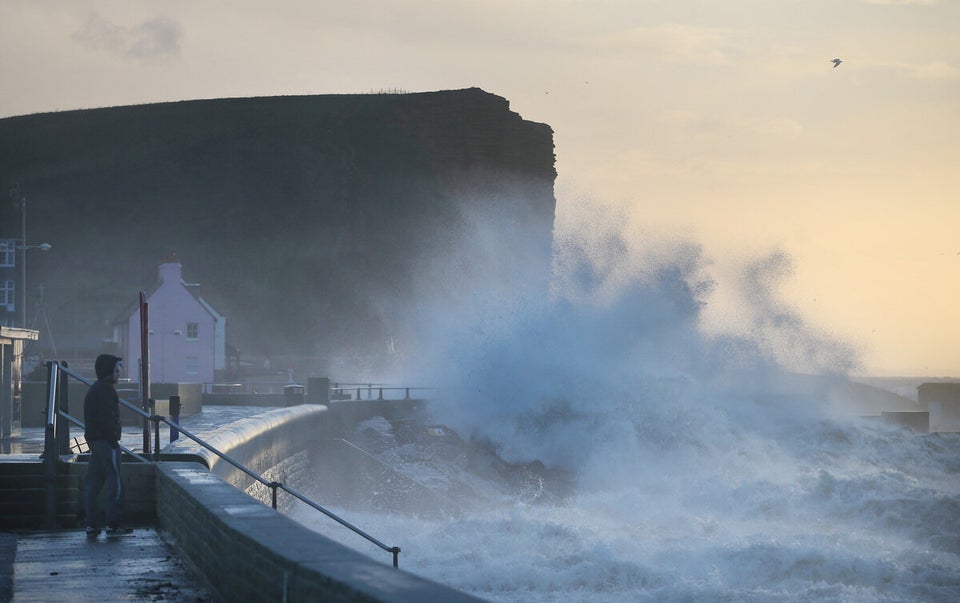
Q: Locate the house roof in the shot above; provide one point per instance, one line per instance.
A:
(192, 288)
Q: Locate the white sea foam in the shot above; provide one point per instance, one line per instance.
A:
(706, 466)
(825, 512)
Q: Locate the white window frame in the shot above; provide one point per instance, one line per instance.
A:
(196, 331)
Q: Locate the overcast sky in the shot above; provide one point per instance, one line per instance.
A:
(721, 121)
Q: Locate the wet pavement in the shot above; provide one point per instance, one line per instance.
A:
(65, 565)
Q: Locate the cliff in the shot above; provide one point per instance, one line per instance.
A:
(314, 223)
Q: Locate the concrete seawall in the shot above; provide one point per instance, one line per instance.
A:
(247, 550)
(265, 443)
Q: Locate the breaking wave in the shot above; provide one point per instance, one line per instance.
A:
(638, 455)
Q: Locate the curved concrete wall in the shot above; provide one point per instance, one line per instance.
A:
(250, 552)
(260, 443)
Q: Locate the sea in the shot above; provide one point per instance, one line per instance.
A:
(631, 452)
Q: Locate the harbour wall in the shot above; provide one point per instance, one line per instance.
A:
(216, 518)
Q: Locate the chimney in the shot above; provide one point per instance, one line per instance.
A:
(171, 269)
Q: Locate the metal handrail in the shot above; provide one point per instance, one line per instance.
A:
(52, 398)
(157, 419)
(345, 388)
(56, 366)
(79, 423)
(395, 550)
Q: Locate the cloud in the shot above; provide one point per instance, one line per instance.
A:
(155, 37)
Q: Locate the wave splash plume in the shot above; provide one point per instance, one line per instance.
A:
(709, 462)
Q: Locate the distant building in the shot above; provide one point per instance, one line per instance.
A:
(187, 337)
(9, 276)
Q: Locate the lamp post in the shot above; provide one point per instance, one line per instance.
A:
(23, 275)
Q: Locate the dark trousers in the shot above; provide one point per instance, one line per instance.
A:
(103, 468)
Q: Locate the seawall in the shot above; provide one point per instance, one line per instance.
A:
(249, 551)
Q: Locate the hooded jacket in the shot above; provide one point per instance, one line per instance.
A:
(101, 406)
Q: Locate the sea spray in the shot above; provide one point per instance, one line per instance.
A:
(706, 466)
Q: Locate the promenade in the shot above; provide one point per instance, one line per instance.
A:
(64, 565)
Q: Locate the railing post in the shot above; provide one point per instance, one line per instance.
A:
(358, 393)
(174, 417)
(381, 394)
(145, 369)
(273, 486)
(396, 551)
(406, 396)
(52, 375)
(63, 404)
(156, 437)
(50, 448)
(147, 407)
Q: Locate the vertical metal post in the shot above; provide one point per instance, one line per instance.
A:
(381, 394)
(50, 455)
(174, 417)
(63, 427)
(156, 437)
(50, 478)
(51, 375)
(144, 369)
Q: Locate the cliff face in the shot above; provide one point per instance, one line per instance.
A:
(313, 223)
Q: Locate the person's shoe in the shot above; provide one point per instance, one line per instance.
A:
(115, 532)
(92, 532)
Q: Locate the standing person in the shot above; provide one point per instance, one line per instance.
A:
(101, 418)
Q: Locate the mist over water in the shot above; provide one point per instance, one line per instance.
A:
(709, 463)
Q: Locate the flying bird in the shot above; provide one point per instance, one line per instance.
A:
(836, 63)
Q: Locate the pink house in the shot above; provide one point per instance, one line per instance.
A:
(187, 337)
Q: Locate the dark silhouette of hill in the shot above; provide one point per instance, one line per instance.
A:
(311, 222)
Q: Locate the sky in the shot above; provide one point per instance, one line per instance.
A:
(718, 121)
